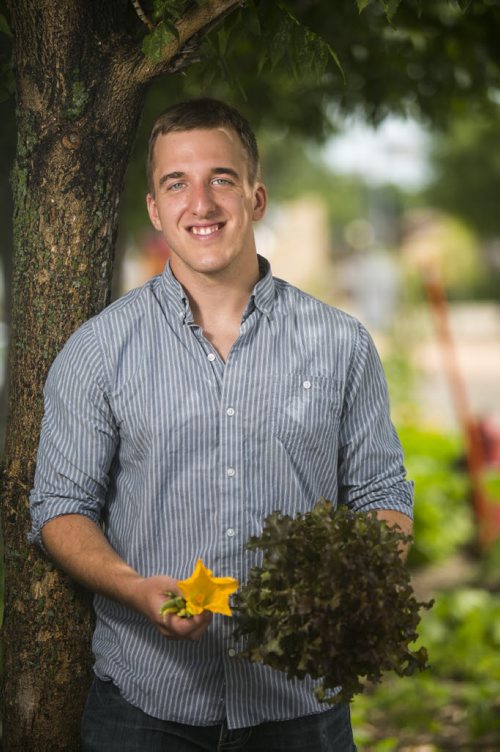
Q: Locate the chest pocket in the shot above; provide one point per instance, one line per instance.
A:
(306, 412)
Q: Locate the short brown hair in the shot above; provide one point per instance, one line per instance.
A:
(204, 113)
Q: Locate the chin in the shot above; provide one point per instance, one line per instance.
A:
(211, 264)
(211, 268)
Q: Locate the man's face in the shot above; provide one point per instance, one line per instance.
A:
(203, 202)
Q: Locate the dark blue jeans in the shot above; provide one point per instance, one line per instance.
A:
(111, 724)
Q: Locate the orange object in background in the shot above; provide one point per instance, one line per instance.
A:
(154, 252)
(489, 436)
(482, 437)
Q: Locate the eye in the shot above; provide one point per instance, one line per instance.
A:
(175, 186)
(221, 181)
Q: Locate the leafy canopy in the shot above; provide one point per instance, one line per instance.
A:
(290, 61)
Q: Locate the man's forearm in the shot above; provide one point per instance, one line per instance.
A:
(391, 517)
(79, 546)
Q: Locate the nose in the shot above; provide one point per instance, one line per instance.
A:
(202, 200)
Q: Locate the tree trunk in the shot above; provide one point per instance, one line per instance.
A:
(7, 148)
(78, 112)
(81, 80)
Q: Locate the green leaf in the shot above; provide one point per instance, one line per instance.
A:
(4, 26)
(362, 4)
(390, 7)
(303, 48)
(262, 61)
(223, 38)
(331, 53)
(158, 9)
(154, 44)
(172, 29)
(163, 9)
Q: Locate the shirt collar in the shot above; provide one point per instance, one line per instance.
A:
(263, 294)
(176, 295)
(262, 297)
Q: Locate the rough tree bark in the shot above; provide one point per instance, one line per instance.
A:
(81, 80)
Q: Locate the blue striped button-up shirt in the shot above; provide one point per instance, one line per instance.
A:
(183, 456)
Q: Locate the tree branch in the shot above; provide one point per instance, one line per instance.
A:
(192, 27)
(145, 20)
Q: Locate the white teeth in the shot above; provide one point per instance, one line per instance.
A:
(204, 230)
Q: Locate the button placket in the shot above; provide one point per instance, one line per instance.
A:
(230, 444)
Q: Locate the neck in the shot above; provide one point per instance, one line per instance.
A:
(218, 304)
(221, 296)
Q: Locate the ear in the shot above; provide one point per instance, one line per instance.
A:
(153, 212)
(259, 201)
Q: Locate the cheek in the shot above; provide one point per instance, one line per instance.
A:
(170, 213)
(241, 208)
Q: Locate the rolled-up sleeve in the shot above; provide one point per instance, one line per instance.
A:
(371, 464)
(78, 437)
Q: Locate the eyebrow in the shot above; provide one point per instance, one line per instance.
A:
(215, 171)
(170, 176)
(226, 171)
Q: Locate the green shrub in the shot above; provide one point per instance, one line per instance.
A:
(460, 691)
(443, 515)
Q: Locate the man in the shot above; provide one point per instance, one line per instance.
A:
(180, 417)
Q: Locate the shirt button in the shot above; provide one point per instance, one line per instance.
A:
(306, 384)
(230, 411)
(231, 472)
(231, 652)
(211, 357)
(230, 532)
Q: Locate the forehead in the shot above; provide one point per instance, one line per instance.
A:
(198, 147)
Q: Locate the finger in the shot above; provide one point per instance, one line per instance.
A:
(169, 629)
(196, 630)
(200, 624)
(186, 629)
(177, 626)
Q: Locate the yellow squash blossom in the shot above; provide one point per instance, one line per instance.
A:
(203, 592)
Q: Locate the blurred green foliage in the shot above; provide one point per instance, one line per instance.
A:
(466, 167)
(460, 260)
(465, 158)
(443, 513)
(458, 697)
(455, 703)
(492, 485)
(463, 629)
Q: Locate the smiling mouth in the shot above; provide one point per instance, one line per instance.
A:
(206, 230)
